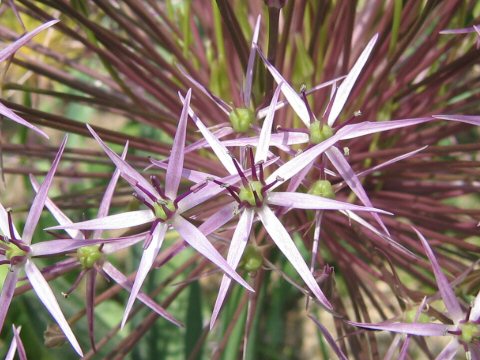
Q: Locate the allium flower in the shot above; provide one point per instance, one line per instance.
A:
(165, 209)
(255, 198)
(466, 324)
(92, 257)
(18, 252)
(8, 52)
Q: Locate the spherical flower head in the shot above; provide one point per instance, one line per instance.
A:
(241, 119)
(319, 132)
(322, 188)
(88, 256)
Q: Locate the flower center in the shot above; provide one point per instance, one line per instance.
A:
(252, 194)
(164, 209)
(322, 188)
(319, 132)
(470, 331)
(88, 256)
(241, 119)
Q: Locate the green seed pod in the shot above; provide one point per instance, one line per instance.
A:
(319, 132)
(241, 119)
(322, 188)
(89, 255)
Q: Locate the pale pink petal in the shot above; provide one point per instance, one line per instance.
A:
(5, 111)
(475, 311)
(219, 102)
(264, 111)
(45, 294)
(347, 85)
(8, 289)
(420, 329)
(279, 139)
(192, 175)
(266, 132)
(217, 147)
(148, 257)
(57, 213)
(247, 92)
(175, 163)
(235, 252)
(448, 296)
(122, 280)
(331, 341)
(132, 175)
(449, 351)
(468, 119)
(313, 202)
(348, 175)
(39, 200)
(219, 133)
(199, 242)
(9, 50)
(217, 220)
(286, 245)
(118, 221)
(295, 101)
(62, 246)
(368, 127)
(295, 165)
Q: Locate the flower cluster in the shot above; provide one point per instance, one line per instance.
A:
(319, 192)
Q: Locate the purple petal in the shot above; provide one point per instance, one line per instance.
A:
(235, 252)
(316, 239)
(104, 207)
(39, 200)
(266, 132)
(56, 212)
(469, 119)
(279, 139)
(448, 296)
(458, 31)
(295, 165)
(132, 175)
(475, 311)
(13, 345)
(175, 163)
(404, 350)
(264, 111)
(8, 289)
(286, 245)
(313, 202)
(118, 221)
(5, 111)
(346, 172)
(217, 220)
(368, 127)
(295, 101)
(13, 47)
(219, 133)
(122, 280)
(251, 62)
(123, 242)
(4, 223)
(347, 85)
(220, 103)
(148, 257)
(22, 354)
(199, 242)
(331, 341)
(449, 351)
(46, 296)
(62, 246)
(192, 175)
(217, 147)
(421, 329)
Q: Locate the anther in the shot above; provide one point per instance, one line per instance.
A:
(10, 224)
(252, 163)
(75, 284)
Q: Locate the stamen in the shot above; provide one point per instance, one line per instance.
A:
(10, 224)
(269, 186)
(252, 163)
(356, 114)
(323, 121)
(142, 200)
(310, 112)
(260, 170)
(20, 245)
(193, 189)
(240, 172)
(3, 252)
(233, 190)
(149, 237)
(75, 284)
(146, 192)
(258, 202)
(156, 184)
(4, 262)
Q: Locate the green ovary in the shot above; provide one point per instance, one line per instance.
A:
(246, 193)
(322, 188)
(319, 132)
(470, 331)
(160, 213)
(89, 255)
(241, 119)
(252, 259)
